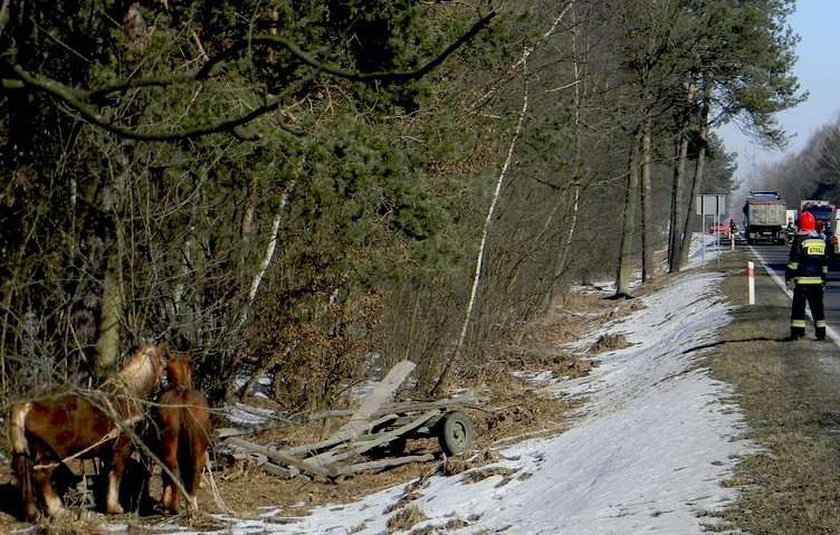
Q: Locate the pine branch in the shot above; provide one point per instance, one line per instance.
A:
(76, 99)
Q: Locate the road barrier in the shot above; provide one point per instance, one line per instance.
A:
(750, 283)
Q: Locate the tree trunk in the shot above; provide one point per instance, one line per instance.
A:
(677, 215)
(108, 341)
(560, 266)
(648, 269)
(672, 220)
(625, 258)
(697, 181)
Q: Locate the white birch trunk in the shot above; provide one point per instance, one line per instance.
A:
(523, 61)
(564, 253)
(528, 51)
(479, 263)
(269, 254)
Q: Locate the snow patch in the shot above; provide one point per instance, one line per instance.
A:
(649, 450)
(242, 414)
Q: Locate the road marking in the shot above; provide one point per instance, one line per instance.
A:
(829, 330)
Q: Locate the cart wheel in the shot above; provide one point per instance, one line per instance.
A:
(455, 433)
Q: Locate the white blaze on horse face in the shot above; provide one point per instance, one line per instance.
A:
(114, 506)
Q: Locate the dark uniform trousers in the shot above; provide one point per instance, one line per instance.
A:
(813, 294)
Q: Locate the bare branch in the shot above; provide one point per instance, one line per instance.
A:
(392, 76)
(4, 15)
(274, 41)
(91, 115)
(75, 98)
(140, 83)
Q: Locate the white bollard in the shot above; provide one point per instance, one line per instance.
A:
(751, 283)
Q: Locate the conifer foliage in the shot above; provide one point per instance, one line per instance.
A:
(303, 188)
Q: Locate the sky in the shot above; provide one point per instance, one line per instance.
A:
(818, 69)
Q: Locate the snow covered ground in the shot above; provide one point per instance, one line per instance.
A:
(648, 453)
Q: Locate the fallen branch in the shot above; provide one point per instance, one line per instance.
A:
(360, 447)
(279, 457)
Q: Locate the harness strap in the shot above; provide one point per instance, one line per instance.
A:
(110, 435)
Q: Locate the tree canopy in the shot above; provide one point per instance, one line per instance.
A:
(312, 189)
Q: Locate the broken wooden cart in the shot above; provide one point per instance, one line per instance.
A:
(373, 439)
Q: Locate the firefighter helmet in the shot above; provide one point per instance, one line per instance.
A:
(807, 223)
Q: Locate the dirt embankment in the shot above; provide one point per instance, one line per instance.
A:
(790, 395)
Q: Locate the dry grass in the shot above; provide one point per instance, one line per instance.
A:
(609, 342)
(791, 401)
(73, 523)
(405, 519)
(450, 526)
(481, 474)
(512, 410)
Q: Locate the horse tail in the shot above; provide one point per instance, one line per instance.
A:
(193, 439)
(22, 464)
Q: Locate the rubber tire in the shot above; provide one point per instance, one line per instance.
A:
(455, 433)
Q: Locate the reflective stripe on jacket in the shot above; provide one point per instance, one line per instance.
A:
(808, 263)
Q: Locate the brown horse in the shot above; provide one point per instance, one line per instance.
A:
(184, 419)
(47, 432)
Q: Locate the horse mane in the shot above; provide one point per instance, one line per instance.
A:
(141, 374)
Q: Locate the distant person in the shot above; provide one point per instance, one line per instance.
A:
(807, 271)
(790, 233)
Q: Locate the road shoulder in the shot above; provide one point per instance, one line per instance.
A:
(789, 393)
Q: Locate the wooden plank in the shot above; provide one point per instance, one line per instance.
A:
(410, 406)
(383, 464)
(279, 457)
(306, 450)
(360, 421)
(357, 448)
(279, 422)
(280, 471)
(223, 433)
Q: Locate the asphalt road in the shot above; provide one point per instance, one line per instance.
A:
(776, 258)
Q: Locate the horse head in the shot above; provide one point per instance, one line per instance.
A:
(178, 370)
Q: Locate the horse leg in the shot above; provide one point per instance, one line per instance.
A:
(22, 458)
(170, 461)
(122, 450)
(41, 475)
(22, 468)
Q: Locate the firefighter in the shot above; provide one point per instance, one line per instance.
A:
(807, 269)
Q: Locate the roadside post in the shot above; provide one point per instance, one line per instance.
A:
(750, 283)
